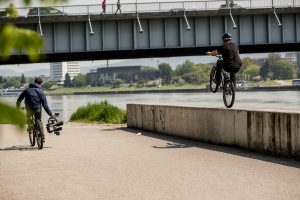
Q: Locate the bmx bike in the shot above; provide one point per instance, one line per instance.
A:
(36, 131)
(226, 84)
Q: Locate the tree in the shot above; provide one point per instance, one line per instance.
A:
(1, 79)
(19, 39)
(273, 58)
(117, 83)
(283, 70)
(252, 70)
(23, 80)
(191, 78)
(47, 85)
(246, 62)
(187, 67)
(150, 69)
(203, 71)
(265, 70)
(13, 82)
(165, 72)
(67, 81)
(79, 80)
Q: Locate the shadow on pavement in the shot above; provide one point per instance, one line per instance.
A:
(177, 142)
(21, 148)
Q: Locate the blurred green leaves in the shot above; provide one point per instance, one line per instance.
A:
(12, 37)
(11, 115)
(17, 39)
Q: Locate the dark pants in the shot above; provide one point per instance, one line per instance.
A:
(230, 69)
(37, 113)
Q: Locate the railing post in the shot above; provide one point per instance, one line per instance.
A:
(136, 6)
(187, 22)
(40, 25)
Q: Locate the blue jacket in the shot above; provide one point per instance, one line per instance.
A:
(34, 98)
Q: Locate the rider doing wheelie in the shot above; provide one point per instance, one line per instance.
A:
(34, 100)
(231, 59)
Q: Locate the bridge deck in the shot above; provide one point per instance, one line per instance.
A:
(112, 162)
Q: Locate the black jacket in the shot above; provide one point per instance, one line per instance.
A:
(230, 54)
(34, 98)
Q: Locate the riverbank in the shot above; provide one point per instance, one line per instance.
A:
(92, 91)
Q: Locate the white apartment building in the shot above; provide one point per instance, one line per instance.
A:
(58, 71)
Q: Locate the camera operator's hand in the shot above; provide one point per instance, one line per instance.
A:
(53, 117)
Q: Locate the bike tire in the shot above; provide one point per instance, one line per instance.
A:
(228, 93)
(39, 134)
(31, 137)
(212, 80)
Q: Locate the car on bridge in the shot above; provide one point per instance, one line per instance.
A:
(45, 11)
(231, 6)
(176, 10)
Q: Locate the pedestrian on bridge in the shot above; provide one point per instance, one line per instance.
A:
(103, 7)
(118, 7)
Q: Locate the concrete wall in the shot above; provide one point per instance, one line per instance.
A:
(267, 131)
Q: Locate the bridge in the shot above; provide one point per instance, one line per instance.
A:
(160, 29)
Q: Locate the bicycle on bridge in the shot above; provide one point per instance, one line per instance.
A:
(226, 84)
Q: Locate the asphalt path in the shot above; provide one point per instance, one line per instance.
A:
(114, 162)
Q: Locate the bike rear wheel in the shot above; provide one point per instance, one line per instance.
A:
(228, 93)
(212, 80)
(39, 134)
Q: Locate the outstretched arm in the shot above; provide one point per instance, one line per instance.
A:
(212, 53)
(44, 103)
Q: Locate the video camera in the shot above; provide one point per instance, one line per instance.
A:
(54, 125)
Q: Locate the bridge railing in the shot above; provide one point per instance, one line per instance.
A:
(175, 6)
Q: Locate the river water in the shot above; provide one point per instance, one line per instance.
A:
(279, 100)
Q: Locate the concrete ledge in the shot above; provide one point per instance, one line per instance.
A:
(267, 131)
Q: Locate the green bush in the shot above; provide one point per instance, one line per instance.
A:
(102, 112)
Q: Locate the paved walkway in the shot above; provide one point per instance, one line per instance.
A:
(113, 162)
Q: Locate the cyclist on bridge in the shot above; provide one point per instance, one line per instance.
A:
(231, 59)
(34, 99)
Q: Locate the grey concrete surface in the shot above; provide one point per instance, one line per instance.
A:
(115, 162)
(268, 131)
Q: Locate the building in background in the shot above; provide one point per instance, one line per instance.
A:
(128, 74)
(58, 71)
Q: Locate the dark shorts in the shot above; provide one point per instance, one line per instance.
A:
(231, 69)
(36, 112)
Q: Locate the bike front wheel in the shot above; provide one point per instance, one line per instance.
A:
(39, 134)
(212, 80)
(228, 93)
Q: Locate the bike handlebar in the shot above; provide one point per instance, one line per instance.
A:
(219, 56)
